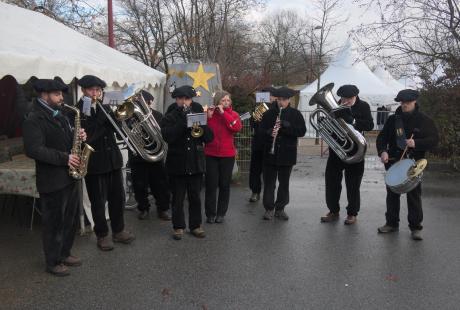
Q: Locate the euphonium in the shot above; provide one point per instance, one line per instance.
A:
(82, 169)
(348, 143)
(259, 111)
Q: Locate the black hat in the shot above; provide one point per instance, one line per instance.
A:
(184, 91)
(88, 81)
(269, 89)
(147, 96)
(407, 95)
(284, 92)
(347, 91)
(49, 85)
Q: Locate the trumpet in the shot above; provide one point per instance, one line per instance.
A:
(196, 131)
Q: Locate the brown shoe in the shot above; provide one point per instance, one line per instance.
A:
(350, 220)
(178, 234)
(72, 261)
(330, 217)
(104, 243)
(58, 270)
(123, 236)
(198, 232)
(164, 215)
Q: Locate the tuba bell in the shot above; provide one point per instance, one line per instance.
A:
(134, 122)
(348, 143)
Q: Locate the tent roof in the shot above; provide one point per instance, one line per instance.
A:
(33, 44)
(387, 78)
(347, 69)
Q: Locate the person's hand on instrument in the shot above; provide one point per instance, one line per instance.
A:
(74, 161)
(384, 157)
(410, 143)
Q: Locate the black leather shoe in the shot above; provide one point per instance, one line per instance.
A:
(219, 219)
(281, 215)
(210, 220)
(385, 229)
(254, 197)
(268, 215)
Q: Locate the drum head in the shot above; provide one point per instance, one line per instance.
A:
(398, 173)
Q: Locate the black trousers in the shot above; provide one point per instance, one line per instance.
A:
(414, 208)
(190, 185)
(60, 218)
(353, 176)
(271, 174)
(255, 170)
(218, 175)
(151, 176)
(102, 188)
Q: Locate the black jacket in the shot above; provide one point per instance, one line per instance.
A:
(185, 153)
(48, 141)
(257, 142)
(292, 127)
(416, 123)
(360, 115)
(100, 132)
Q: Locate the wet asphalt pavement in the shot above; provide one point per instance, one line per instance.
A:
(248, 263)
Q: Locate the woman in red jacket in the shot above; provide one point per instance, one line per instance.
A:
(220, 156)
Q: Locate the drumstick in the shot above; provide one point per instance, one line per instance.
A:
(405, 150)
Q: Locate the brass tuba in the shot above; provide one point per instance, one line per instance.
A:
(134, 122)
(348, 143)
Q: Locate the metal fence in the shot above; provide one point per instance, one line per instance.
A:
(308, 145)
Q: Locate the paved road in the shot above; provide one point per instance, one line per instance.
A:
(247, 263)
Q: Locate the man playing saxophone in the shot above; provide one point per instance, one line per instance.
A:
(281, 127)
(357, 113)
(48, 136)
(104, 181)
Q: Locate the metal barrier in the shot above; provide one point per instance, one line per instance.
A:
(307, 145)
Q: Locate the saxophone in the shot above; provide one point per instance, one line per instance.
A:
(82, 169)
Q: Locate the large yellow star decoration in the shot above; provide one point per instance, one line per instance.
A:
(200, 78)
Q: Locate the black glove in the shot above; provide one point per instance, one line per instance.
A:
(343, 113)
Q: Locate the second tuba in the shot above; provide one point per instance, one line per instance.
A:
(348, 143)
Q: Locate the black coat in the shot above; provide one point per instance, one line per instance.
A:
(361, 115)
(185, 153)
(100, 135)
(292, 127)
(416, 123)
(48, 141)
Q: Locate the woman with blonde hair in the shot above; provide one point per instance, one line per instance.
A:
(220, 156)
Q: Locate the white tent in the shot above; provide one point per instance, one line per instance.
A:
(387, 78)
(347, 69)
(33, 44)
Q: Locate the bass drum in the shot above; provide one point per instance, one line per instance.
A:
(405, 175)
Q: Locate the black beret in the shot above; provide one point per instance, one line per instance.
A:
(89, 81)
(284, 92)
(407, 95)
(269, 89)
(49, 85)
(147, 96)
(347, 91)
(184, 91)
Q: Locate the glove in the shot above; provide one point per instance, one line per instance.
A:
(343, 113)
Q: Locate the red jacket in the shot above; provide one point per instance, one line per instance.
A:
(224, 126)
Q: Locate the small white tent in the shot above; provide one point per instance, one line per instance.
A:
(33, 44)
(387, 78)
(347, 69)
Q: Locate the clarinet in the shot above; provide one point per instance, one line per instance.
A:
(278, 119)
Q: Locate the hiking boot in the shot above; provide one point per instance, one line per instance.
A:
(124, 236)
(104, 243)
(219, 219)
(72, 261)
(330, 217)
(143, 215)
(254, 197)
(416, 235)
(268, 215)
(164, 215)
(58, 270)
(178, 234)
(211, 220)
(198, 232)
(281, 215)
(350, 220)
(385, 229)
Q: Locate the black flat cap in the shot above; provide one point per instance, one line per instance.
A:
(347, 91)
(269, 89)
(284, 92)
(147, 96)
(49, 85)
(407, 95)
(88, 81)
(184, 91)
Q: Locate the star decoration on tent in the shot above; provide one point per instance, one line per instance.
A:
(200, 78)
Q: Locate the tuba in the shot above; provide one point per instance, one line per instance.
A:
(348, 143)
(134, 122)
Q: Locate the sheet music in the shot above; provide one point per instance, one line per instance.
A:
(200, 118)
